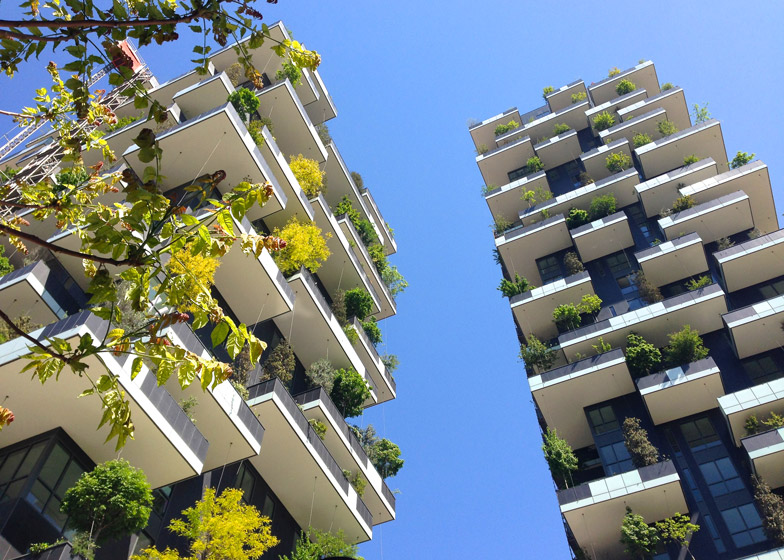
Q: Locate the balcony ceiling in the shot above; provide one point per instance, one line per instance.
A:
(559, 149)
(507, 202)
(673, 101)
(520, 248)
(752, 262)
(756, 328)
(660, 192)
(766, 452)
(595, 161)
(673, 260)
(204, 96)
(603, 237)
(702, 140)
(643, 76)
(720, 217)
(496, 165)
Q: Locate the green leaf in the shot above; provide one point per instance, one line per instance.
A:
(224, 219)
(136, 367)
(140, 102)
(219, 333)
(234, 344)
(189, 220)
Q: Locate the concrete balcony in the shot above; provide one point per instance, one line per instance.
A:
(614, 105)
(674, 260)
(496, 164)
(386, 238)
(521, 246)
(341, 184)
(533, 310)
(703, 140)
(752, 179)
(595, 161)
(314, 333)
(759, 401)
(659, 193)
(507, 201)
(602, 237)
(643, 76)
(167, 445)
(682, 391)
(323, 108)
(720, 217)
(217, 140)
(621, 185)
(701, 309)
(483, 133)
(203, 96)
(559, 149)
(766, 454)
(342, 270)
(327, 502)
(594, 511)
(756, 328)
(752, 262)
(647, 123)
(164, 93)
(222, 416)
(673, 101)
(562, 393)
(382, 380)
(348, 453)
(294, 133)
(562, 97)
(773, 554)
(573, 116)
(32, 291)
(388, 307)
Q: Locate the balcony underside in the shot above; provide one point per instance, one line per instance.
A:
(702, 140)
(658, 194)
(496, 165)
(673, 101)
(507, 201)
(519, 248)
(595, 161)
(674, 260)
(756, 328)
(752, 262)
(766, 453)
(758, 401)
(603, 237)
(721, 217)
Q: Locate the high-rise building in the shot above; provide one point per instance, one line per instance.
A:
(626, 234)
(285, 443)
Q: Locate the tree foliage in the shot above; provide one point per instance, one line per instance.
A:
(306, 245)
(624, 87)
(315, 545)
(308, 174)
(741, 159)
(359, 303)
(771, 507)
(322, 374)
(639, 538)
(685, 347)
(677, 530)
(617, 162)
(280, 363)
(519, 285)
(384, 454)
(110, 502)
(635, 437)
(559, 456)
(349, 391)
(536, 354)
(642, 357)
(219, 528)
(245, 102)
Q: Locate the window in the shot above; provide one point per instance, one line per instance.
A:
(518, 173)
(603, 420)
(692, 485)
(629, 291)
(646, 227)
(619, 264)
(15, 468)
(772, 290)
(700, 434)
(268, 509)
(744, 525)
(549, 269)
(160, 499)
(59, 473)
(616, 458)
(721, 476)
(762, 369)
(245, 482)
(717, 542)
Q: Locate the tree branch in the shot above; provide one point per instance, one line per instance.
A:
(35, 341)
(57, 249)
(91, 23)
(12, 114)
(28, 37)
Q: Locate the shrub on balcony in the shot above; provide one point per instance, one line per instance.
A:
(700, 282)
(566, 317)
(280, 363)
(537, 195)
(255, 129)
(71, 177)
(533, 165)
(560, 457)
(771, 507)
(394, 280)
(322, 374)
(560, 129)
(319, 427)
(578, 97)
(640, 139)
(683, 203)
(323, 133)
(547, 91)
(236, 74)
(635, 437)
(614, 71)
(685, 347)
(514, 287)
(584, 179)
(639, 538)
(536, 354)
(573, 263)
(189, 275)
(667, 86)
(358, 181)
(380, 261)
(741, 159)
(642, 357)
(308, 174)
(576, 218)
(123, 122)
(22, 322)
(603, 121)
(677, 530)
(364, 227)
(602, 206)
(700, 114)
(688, 160)
(617, 162)
(349, 391)
(383, 454)
(306, 245)
(359, 303)
(771, 422)
(291, 72)
(482, 149)
(590, 304)
(110, 502)
(666, 128)
(245, 102)
(648, 292)
(500, 225)
(624, 87)
(504, 128)
(315, 545)
(723, 243)
(372, 331)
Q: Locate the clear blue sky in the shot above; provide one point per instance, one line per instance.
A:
(405, 77)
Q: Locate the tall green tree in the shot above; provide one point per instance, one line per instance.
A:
(639, 538)
(559, 456)
(315, 545)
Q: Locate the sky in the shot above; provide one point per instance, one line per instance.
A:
(405, 77)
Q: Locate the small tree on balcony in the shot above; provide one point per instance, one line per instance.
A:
(688, 160)
(647, 290)
(642, 357)
(566, 317)
(514, 287)
(602, 206)
(560, 129)
(578, 97)
(683, 203)
(280, 363)
(617, 162)
(560, 458)
(641, 138)
(504, 128)
(534, 164)
(741, 159)
(245, 102)
(547, 91)
(624, 87)
(576, 218)
(308, 174)
(359, 303)
(639, 538)
(322, 374)
(667, 128)
(701, 113)
(771, 507)
(614, 71)
(306, 245)
(700, 282)
(315, 545)
(349, 391)
(666, 86)
(603, 121)
(685, 347)
(289, 72)
(573, 263)
(640, 448)
(677, 530)
(536, 354)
